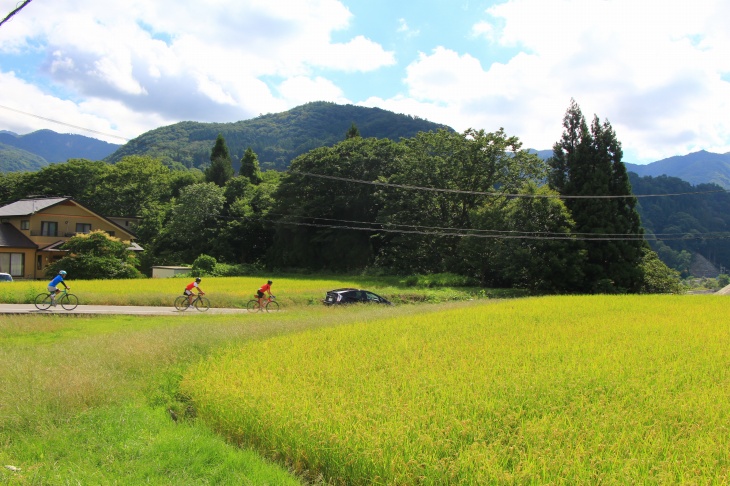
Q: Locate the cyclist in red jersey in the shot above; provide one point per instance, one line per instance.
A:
(189, 290)
(264, 288)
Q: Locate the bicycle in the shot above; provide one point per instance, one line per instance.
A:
(68, 301)
(199, 302)
(267, 304)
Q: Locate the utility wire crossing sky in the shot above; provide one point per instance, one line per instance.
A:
(658, 71)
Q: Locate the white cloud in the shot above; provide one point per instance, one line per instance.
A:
(301, 89)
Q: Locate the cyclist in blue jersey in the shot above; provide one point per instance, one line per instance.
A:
(53, 286)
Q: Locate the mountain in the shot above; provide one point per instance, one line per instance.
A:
(58, 147)
(17, 160)
(275, 138)
(696, 168)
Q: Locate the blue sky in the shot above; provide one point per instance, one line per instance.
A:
(659, 71)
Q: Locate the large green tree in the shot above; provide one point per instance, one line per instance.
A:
(221, 167)
(327, 223)
(587, 168)
(455, 173)
(525, 242)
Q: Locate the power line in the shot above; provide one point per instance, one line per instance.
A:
(496, 194)
(65, 124)
(651, 236)
(18, 9)
(527, 235)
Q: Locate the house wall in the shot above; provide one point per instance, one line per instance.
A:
(167, 272)
(28, 262)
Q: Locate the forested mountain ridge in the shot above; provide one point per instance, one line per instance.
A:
(696, 168)
(276, 138)
(13, 159)
(57, 147)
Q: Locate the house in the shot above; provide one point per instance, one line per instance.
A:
(33, 229)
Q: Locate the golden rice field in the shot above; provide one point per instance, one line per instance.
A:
(222, 291)
(552, 390)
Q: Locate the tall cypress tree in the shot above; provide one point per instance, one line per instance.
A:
(587, 162)
(221, 166)
(250, 168)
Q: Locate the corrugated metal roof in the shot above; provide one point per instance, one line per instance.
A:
(10, 236)
(26, 207)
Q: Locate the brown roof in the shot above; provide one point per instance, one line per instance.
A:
(11, 237)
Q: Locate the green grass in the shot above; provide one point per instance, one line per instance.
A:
(563, 390)
(86, 400)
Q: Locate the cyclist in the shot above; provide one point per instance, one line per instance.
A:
(264, 288)
(53, 286)
(189, 290)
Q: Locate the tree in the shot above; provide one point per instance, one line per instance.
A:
(460, 169)
(312, 213)
(587, 164)
(221, 167)
(525, 243)
(250, 166)
(130, 185)
(96, 255)
(352, 132)
(193, 225)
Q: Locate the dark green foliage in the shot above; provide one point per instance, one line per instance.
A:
(353, 131)
(96, 256)
(658, 277)
(588, 163)
(703, 210)
(306, 207)
(250, 167)
(473, 161)
(552, 262)
(220, 169)
(204, 265)
(277, 138)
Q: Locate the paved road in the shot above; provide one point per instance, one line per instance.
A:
(112, 309)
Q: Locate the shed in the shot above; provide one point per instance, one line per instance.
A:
(166, 271)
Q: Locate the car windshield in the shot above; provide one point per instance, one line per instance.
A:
(6, 278)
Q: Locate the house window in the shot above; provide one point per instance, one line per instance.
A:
(49, 228)
(12, 263)
(111, 233)
(83, 227)
(25, 224)
(39, 263)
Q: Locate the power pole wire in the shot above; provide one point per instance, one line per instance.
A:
(18, 9)
(495, 194)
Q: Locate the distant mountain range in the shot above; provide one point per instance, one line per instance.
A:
(696, 168)
(278, 138)
(35, 150)
(275, 138)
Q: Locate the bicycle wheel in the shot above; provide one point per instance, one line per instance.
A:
(272, 306)
(181, 303)
(42, 301)
(69, 301)
(202, 304)
(253, 306)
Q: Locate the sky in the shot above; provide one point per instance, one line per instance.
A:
(657, 70)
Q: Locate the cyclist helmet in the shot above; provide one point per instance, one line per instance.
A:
(62, 272)
(269, 282)
(197, 279)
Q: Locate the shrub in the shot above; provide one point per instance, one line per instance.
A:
(204, 265)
